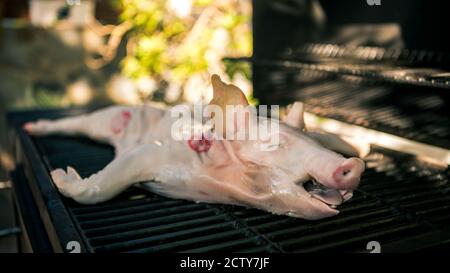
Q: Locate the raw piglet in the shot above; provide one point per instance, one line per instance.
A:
(213, 171)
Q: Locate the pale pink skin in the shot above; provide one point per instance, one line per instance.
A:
(231, 172)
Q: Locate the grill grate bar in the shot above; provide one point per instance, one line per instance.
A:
(162, 211)
(197, 241)
(256, 249)
(419, 203)
(165, 237)
(360, 242)
(161, 208)
(158, 221)
(149, 231)
(348, 230)
(251, 230)
(111, 213)
(329, 226)
(228, 246)
(100, 208)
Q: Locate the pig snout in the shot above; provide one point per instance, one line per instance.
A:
(348, 174)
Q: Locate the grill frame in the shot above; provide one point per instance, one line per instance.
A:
(260, 231)
(57, 223)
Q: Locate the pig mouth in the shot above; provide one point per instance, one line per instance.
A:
(329, 196)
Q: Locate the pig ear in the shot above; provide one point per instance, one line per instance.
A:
(226, 94)
(294, 116)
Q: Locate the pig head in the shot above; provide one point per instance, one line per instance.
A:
(300, 177)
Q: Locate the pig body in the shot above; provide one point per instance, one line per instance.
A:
(230, 172)
(227, 171)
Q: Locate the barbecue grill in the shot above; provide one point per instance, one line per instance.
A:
(403, 201)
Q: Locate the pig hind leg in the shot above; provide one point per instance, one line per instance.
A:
(98, 125)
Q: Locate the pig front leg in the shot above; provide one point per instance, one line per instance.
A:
(107, 125)
(137, 165)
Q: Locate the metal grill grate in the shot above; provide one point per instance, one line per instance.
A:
(415, 113)
(415, 58)
(402, 203)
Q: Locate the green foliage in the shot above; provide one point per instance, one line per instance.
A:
(48, 99)
(234, 67)
(172, 40)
